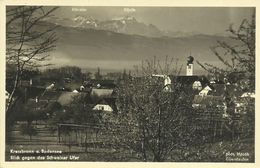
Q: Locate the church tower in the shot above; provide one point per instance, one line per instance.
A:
(189, 71)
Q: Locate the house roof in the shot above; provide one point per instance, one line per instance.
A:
(102, 93)
(189, 80)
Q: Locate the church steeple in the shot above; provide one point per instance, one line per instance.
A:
(189, 71)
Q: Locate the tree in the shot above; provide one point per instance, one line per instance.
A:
(28, 129)
(28, 41)
(76, 111)
(239, 57)
(151, 120)
(63, 75)
(81, 112)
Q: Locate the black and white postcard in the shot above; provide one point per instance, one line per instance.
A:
(129, 83)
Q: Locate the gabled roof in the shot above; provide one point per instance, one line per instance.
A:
(101, 93)
(189, 80)
(206, 89)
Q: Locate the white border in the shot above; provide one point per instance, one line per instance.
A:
(173, 3)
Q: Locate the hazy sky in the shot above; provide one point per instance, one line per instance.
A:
(207, 20)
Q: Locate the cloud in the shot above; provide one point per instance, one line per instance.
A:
(129, 10)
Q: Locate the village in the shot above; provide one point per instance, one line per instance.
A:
(100, 93)
(48, 107)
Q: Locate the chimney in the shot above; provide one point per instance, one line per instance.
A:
(189, 71)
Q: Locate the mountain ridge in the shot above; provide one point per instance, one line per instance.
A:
(125, 25)
(91, 48)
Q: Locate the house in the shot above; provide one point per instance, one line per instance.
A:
(244, 103)
(167, 81)
(197, 85)
(190, 80)
(101, 93)
(75, 91)
(205, 91)
(248, 94)
(103, 99)
(210, 102)
(106, 105)
(217, 89)
(207, 101)
(190, 84)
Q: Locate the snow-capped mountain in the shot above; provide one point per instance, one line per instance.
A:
(129, 25)
(85, 22)
(125, 25)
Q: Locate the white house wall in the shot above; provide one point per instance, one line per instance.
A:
(103, 107)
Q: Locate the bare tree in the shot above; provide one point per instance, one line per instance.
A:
(239, 57)
(28, 41)
(152, 120)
